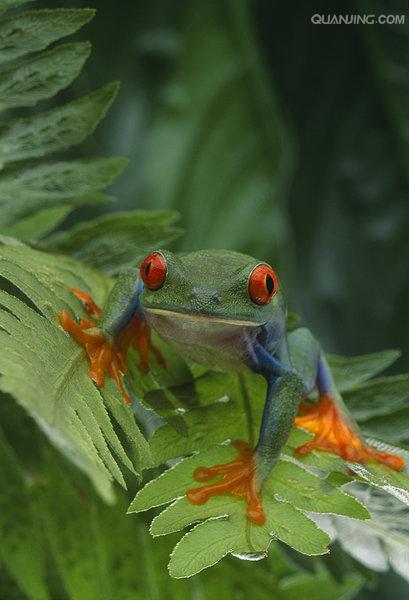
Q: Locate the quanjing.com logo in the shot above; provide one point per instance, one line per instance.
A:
(318, 19)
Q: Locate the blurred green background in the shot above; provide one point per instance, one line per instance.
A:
(272, 136)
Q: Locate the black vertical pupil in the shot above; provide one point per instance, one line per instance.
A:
(269, 284)
(147, 269)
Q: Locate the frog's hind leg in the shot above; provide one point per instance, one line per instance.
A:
(238, 477)
(334, 429)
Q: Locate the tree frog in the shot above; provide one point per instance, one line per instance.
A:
(225, 310)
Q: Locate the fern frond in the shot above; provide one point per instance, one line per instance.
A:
(41, 77)
(47, 372)
(25, 191)
(35, 30)
(55, 130)
(116, 241)
(37, 196)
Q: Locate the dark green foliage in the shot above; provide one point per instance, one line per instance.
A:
(117, 241)
(52, 188)
(83, 549)
(208, 137)
(35, 197)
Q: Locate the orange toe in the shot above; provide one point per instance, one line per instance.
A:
(108, 357)
(333, 434)
(78, 330)
(103, 355)
(92, 308)
(238, 477)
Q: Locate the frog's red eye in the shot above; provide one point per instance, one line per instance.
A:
(153, 270)
(263, 284)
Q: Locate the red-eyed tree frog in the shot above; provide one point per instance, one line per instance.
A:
(225, 311)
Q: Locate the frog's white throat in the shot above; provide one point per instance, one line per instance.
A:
(215, 342)
(171, 314)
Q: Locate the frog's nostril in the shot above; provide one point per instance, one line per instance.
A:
(205, 295)
(213, 295)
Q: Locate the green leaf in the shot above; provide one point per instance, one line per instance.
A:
(375, 474)
(378, 397)
(140, 452)
(210, 541)
(205, 426)
(26, 190)
(35, 226)
(169, 388)
(289, 481)
(47, 372)
(43, 76)
(81, 578)
(165, 389)
(212, 415)
(21, 548)
(8, 588)
(395, 483)
(7, 4)
(35, 30)
(326, 462)
(320, 586)
(311, 493)
(74, 523)
(56, 129)
(226, 528)
(351, 371)
(393, 427)
(117, 241)
(71, 520)
(382, 541)
(215, 407)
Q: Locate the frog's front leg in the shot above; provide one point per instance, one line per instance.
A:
(244, 477)
(112, 331)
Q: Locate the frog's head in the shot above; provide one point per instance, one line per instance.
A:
(217, 285)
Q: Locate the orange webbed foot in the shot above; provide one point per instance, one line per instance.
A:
(102, 352)
(109, 356)
(333, 434)
(238, 477)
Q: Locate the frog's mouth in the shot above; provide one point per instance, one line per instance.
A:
(163, 312)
